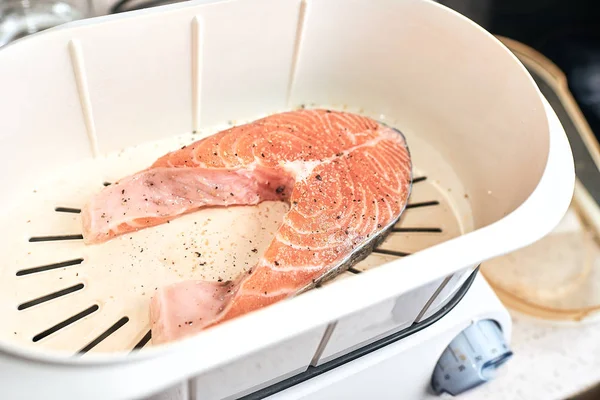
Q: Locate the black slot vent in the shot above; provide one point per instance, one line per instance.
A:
(423, 204)
(143, 341)
(65, 323)
(67, 210)
(391, 252)
(55, 238)
(354, 270)
(419, 179)
(49, 267)
(115, 327)
(50, 296)
(416, 230)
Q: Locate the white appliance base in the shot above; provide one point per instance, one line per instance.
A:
(399, 370)
(403, 369)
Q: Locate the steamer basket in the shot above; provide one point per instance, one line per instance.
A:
(91, 101)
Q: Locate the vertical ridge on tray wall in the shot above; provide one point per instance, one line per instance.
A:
(297, 44)
(78, 64)
(197, 57)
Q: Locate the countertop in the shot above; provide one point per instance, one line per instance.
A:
(552, 360)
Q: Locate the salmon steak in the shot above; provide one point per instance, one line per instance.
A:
(347, 179)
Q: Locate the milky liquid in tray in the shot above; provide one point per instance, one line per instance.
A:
(58, 293)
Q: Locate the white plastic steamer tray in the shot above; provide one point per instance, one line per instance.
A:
(95, 100)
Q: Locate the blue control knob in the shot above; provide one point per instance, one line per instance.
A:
(471, 359)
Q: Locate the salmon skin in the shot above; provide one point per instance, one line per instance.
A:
(346, 177)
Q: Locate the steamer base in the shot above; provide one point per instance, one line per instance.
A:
(397, 367)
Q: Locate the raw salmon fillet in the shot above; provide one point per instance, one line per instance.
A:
(347, 179)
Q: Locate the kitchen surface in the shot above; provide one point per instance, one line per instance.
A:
(552, 359)
(544, 297)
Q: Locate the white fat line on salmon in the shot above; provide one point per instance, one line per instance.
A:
(284, 132)
(340, 127)
(313, 216)
(385, 134)
(243, 170)
(389, 208)
(402, 161)
(346, 239)
(401, 158)
(235, 148)
(195, 160)
(303, 169)
(304, 268)
(367, 222)
(396, 185)
(380, 170)
(370, 143)
(300, 169)
(351, 120)
(377, 217)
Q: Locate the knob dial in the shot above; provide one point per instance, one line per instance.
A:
(471, 359)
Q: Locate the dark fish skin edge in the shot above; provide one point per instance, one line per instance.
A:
(367, 248)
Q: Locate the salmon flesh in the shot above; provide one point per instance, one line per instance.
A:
(346, 177)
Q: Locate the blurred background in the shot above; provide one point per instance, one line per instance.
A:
(566, 32)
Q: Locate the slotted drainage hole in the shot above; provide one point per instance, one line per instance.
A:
(423, 204)
(65, 323)
(54, 238)
(50, 296)
(143, 341)
(49, 267)
(67, 210)
(391, 252)
(417, 230)
(115, 327)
